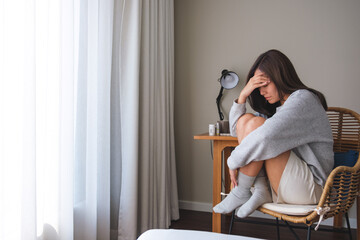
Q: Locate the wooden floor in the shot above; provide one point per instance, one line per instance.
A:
(194, 220)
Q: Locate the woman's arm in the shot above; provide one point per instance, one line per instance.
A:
(236, 111)
(238, 108)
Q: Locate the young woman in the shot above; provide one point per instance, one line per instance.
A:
(289, 142)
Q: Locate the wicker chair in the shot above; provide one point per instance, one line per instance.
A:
(342, 185)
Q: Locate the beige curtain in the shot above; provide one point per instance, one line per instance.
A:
(144, 66)
(158, 203)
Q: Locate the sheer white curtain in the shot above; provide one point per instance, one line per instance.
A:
(86, 127)
(55, 66)
(36, 127)
(92, 123)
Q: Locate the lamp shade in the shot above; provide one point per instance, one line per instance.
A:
(229, 79)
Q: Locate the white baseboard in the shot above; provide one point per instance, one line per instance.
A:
(195, 206)
(207, 207)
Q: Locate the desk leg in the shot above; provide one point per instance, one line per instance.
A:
(216, 218)
(227, 152)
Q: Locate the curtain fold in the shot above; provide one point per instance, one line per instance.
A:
(92, 135)
(158, 202)
(148, 197)
(127, 35)
(67, 115)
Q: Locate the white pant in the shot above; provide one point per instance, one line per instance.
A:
(297, 185)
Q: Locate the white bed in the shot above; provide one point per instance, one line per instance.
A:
(172, 234)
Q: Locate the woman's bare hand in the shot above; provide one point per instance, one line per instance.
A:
(258, 80)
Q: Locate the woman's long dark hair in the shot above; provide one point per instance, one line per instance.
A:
(281, 71)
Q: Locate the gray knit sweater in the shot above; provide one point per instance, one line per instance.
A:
(300, 125)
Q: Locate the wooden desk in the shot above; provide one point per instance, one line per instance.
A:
(220, 143)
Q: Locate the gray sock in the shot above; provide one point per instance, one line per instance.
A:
(260, 196)
(238, 195)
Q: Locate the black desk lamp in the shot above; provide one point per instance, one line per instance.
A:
(228, 80)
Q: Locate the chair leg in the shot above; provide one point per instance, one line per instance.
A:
(232, 221)
(292, 230)
(348, 225)
(277, 228)
(309, 233)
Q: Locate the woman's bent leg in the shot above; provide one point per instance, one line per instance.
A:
(261, 195)
(238, 195)
(242, 130)
(297, 184)
(246, 124)
(252, 174)
(274, 168)
(247, 175)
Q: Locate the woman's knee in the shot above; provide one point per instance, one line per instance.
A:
(254, 123)
(241, 123)
(246, 124)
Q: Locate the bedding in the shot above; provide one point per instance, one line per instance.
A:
(167, 234)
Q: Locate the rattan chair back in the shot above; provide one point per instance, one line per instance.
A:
(342, 186)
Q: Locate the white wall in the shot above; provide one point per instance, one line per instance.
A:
(321, 38)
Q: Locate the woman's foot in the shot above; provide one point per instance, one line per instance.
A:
(260, 196)
(238, 195)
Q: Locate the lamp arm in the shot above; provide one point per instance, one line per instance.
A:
(218, 99)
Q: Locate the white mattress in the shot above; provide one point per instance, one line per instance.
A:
(172, 234)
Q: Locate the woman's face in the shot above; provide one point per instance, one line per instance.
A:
(269, 91)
